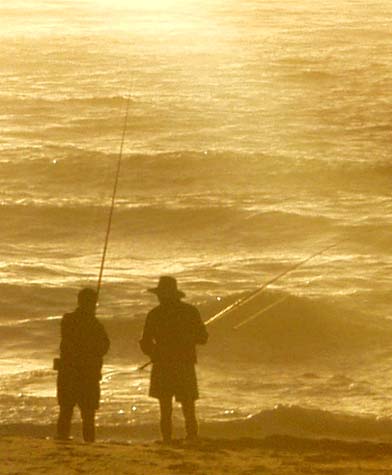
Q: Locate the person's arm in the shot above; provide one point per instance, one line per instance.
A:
(104, 342)
(201, 335)
(147, 343)
(66, 349)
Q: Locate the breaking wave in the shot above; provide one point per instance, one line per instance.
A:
(296, 329)
(306, 422)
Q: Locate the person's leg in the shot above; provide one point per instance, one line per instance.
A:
(166, 408)
(88, 402)
(189, 411)
(64, 422)
(88, 423)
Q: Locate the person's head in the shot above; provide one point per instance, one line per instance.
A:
(167, 291)
(87, 299)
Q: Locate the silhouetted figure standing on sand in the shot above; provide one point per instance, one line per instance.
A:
(171, 332)
(84, 342)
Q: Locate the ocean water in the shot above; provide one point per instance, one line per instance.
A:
(258, 133)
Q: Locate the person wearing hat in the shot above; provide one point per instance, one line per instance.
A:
(171, 332)
(84, 342)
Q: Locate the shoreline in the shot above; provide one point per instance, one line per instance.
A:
(290, 421)
(276, 455)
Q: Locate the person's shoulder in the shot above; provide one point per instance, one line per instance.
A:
(155, 312)
(96, 322)
(98, 328)
(69, 317)
(69, 321)
(189, 308)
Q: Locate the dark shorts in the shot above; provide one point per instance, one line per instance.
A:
(75, 389)
(178, 380)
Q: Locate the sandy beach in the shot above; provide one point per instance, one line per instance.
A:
(272, 455)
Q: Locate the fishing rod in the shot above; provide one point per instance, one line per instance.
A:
(56, 361)
(243, 300)
(273, 304)
(116, 180)
(263, 310)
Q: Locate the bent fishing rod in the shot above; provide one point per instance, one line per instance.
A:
(113, 201)
(242, 301)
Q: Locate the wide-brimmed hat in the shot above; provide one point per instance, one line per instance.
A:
(167, 287)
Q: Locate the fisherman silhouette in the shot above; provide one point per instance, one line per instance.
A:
(84, 342)
(171, 332)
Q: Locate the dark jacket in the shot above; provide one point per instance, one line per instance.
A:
(84, 342)
(171, 333)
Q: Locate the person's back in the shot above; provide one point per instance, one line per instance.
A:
(84, 342)
(176, 329)
(171, 332)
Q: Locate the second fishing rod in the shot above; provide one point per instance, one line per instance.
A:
(252, 295)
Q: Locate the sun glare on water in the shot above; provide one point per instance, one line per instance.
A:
(154, 16)
(160, 5)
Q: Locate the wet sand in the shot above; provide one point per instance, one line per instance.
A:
(278, 455)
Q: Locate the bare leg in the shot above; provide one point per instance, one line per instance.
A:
(64, 422)
(166, 418)
(189, 411)
(88, 421)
